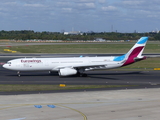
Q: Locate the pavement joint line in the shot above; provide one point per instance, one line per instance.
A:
(17, 105)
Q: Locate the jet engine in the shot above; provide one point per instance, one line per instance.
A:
(67, 72)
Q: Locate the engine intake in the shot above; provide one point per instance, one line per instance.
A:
(67, 72)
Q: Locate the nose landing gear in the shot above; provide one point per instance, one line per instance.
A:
(18, 73)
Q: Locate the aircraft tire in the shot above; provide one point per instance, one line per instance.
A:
(84, 75)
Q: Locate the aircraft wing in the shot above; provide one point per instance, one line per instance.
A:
(82, 67)
(91, 67)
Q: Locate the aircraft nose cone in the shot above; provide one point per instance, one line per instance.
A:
(4, 66)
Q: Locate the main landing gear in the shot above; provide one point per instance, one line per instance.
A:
(84, 75)
(81, 74)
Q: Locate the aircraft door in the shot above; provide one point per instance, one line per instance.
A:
(46, 63)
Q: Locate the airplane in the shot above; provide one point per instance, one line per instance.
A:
(78, 65)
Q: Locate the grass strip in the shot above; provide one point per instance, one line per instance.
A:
(21, 88)
(80, 48)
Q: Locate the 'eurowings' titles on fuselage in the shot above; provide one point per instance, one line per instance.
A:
(31, 61)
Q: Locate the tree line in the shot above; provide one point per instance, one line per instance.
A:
(30, 35)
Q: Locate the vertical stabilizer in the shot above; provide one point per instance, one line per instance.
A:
(135, 53)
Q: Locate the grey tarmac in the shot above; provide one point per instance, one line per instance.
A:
(141, 104)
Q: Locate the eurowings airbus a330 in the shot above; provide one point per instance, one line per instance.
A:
(78, 65)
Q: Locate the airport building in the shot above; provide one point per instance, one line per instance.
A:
(73, 33)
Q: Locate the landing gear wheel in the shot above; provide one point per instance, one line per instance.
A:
(78, 74)
(84, 75)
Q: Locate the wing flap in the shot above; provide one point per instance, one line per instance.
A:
(87, 67)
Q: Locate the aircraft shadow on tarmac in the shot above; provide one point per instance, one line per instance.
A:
(97, 75)
(23, 74)
(106, 75)
(116, 73)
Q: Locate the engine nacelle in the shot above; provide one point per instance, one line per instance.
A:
(67, 72)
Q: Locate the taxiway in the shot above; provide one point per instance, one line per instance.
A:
(141, 104)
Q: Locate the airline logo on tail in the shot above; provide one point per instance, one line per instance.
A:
(134, 54)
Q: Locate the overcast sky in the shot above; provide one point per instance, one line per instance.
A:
(80, 15)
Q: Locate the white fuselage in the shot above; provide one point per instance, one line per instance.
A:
(54, 64)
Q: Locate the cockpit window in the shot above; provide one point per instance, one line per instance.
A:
(9, 63)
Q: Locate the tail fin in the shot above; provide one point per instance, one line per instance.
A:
(135, 53)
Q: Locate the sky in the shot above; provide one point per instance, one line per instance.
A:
(80, 15)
